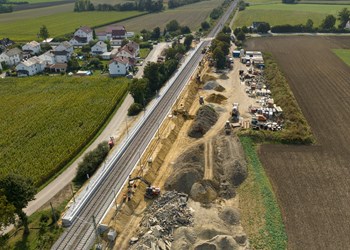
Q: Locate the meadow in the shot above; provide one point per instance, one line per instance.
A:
(26, 29)
(191, 15)
(276, 14)
(343, 54)
(46, 121)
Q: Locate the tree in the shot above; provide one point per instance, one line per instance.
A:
(173, 25)
(185, 30)
(94, 34)
(188, 41)
(309, 25)
(18, 191)
(225, 47)
(226, 30)
(139, 89)
(241, 36)
(223, 38)
(124, 42)
(263, 28)
(205, 25)
(343, 17)
(73, 64)
(7, 212)
(245, 29)
(152, 74)
(156, 33)
(219, 58)
(43, 32)
(328, 22)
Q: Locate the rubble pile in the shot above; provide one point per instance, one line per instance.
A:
(167, 213)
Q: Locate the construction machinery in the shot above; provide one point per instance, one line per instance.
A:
(235, 112)
(201, 100)
(151, 191)
(228, 128)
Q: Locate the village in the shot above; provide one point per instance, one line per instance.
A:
(56, 57)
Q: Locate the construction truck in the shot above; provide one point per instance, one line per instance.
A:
(151, 191)
(235, 113)
(201, 100)
(228, 128)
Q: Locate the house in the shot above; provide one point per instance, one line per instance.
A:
(57, 68)
(82, 36)
(11, 57)
(48, 57)
(255, 25)
(30, 66)
(99, 48)
(347, 25)
(114, 33)
(4, 43)
(63, 52)
(120, 66)
(32, 47)
(132, 46)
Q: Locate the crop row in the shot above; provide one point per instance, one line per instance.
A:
(45, 122)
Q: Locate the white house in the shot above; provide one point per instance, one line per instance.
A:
(11, 57)
(82, 36)
(48, 57)
(132, 46)
(99, 48)
(113, 33)
(30, 66)
(119, 66)
(32, 47)
(63, 52)
(125, 52)
(347, 25)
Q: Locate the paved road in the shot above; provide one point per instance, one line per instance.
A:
(115, 128)
(81, 235)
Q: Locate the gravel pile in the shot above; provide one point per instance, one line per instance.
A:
(205, 118)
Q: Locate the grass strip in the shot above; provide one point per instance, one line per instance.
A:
(261, 215)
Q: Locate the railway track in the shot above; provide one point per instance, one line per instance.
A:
(80, 235)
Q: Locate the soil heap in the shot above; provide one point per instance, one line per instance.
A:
(205, 118)
(212, 85)
(216, 98)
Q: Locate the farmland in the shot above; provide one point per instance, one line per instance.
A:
(46, 121)
(286, 13)
(191, 15)
(26, 27)
(311, 182)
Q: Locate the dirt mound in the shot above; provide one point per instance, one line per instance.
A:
(230, 215)
(203, 191)
(183, 179)
(212, 85)
(236, 171)
(219, 88)
(223, 242)
(209, 231)
(205, 246)
(205, 118)
(216, 98)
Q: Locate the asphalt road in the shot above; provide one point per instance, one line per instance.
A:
(80, 235)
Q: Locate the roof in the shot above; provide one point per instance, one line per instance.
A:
(6, 42)
(101, 44)
(118, 59)
(133, 45)
(14, 51)
(115, 27)
(118, 32)
(65, 44)
(85, 29)
(60, 53)
(31, 61)
(33, 43)
(129, 50)
(58, 66)
(80, 39)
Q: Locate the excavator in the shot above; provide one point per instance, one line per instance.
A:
(151, 191)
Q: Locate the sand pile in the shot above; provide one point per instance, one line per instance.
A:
(216, 98)
(230, 215)
(204, 191)
(205, 118)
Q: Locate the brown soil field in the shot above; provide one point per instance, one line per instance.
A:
(311, 182)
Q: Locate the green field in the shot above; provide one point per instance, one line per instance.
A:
(343, 54)
(276, 14)
(35, 1)
(57, 24)
(45, 121)
(191, 15)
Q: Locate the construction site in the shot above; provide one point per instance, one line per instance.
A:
(182, 194)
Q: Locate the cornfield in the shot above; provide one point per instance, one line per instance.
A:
(46, 121)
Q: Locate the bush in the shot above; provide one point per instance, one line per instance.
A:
(91, 162)
(44, 218)
(135, 109)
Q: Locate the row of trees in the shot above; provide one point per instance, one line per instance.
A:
(220, 47)
(177, 3)
(173, 28)
(140, 5)
(155, 75)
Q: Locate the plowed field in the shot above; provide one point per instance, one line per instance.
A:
(312, 183)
